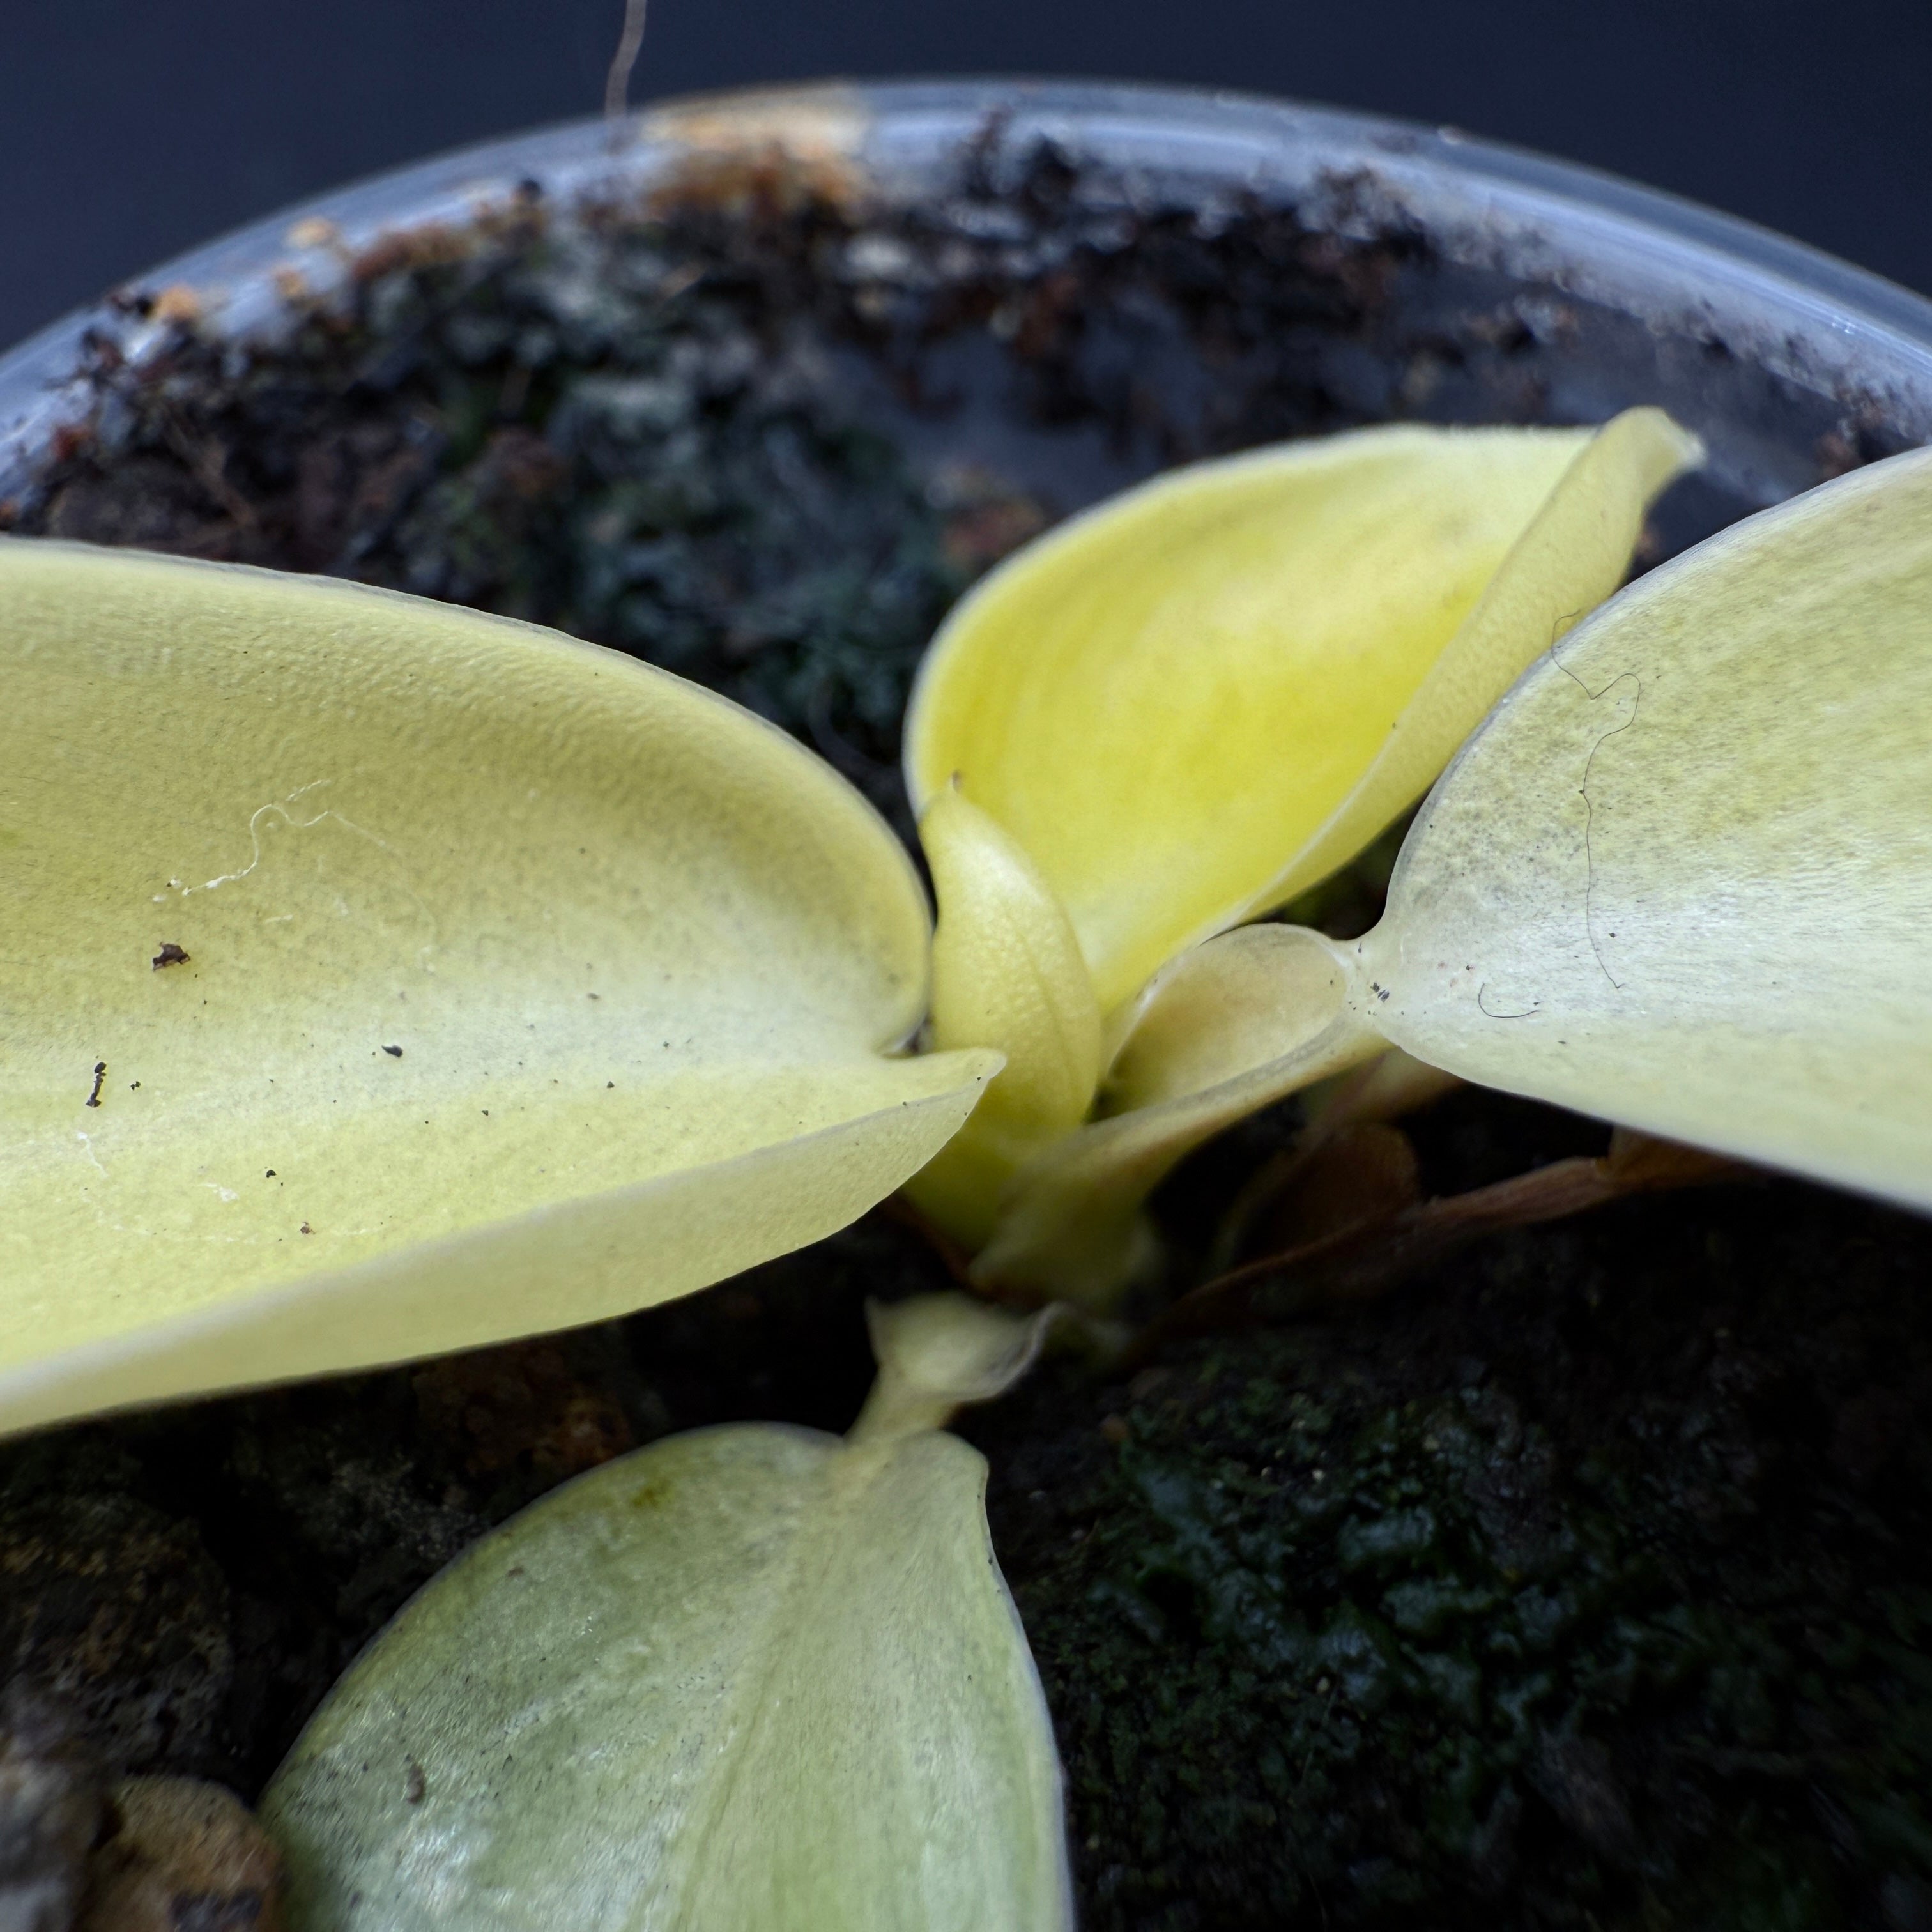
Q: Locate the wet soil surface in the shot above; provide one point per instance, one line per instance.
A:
(1584, 1583)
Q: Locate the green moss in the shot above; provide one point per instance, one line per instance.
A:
(671, 489)
(1502, 1607)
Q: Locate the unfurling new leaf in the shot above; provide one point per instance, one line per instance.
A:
(1181, 710)
(1680, 878)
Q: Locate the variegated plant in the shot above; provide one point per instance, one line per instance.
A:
(380, 978)
(1169, 719)
(383, 978)
(1680, 877)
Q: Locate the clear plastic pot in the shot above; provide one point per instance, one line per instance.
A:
(1789, 363)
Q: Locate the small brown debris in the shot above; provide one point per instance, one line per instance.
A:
(798, 154)
(518, 465)
(306, 1229)
(99, 1075)
(433, 244)
(354, 480)
(1364, 1172)
(170, 955)
(393, 1052)
(314, 232)
(1363, 1260)
(187, 1853)
(178, 304)
(983, 533)
(414, 1784)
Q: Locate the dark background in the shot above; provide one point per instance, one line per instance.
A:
(130, 128)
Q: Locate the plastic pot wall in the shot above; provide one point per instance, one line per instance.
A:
(1789, 364)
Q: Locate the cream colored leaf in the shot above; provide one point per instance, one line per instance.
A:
(1007, 974)
(379, 978)
(747, 1680)
(1683, 876)
(1227, 1027)
(1167, 701)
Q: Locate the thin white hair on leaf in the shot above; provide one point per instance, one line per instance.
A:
(1682, 877)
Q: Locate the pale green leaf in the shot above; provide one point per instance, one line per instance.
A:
(1180, 702)
(936, 1354)
(1682, 878)
(646, 962)
(747, 1680)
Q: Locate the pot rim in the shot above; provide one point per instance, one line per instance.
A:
(1683, 269)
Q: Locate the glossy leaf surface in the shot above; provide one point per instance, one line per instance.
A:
(379, 978)
(751, 1679)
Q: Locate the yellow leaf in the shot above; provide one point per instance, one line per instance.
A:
(1571, 557)
(749, 1679)
(379, 978)
(1007, 974)
(1172, 703)
(1683, 876)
